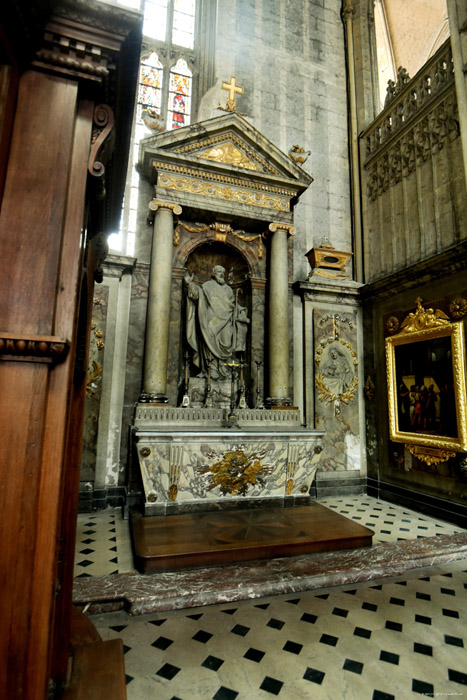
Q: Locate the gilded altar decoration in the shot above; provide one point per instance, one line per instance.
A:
(458, 307)
(229, 137)
(298, 154)
(234, 472)
(95, 369)
(233, 89)
(423, 319)
(326, 261)
(430, 455)
(229, 154)
(221, 231)
(176, 452)
(425, 365)
(230, 194)
(153, 120)
(336, 379)
(392, 324)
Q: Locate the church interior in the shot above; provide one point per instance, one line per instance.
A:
(232, 349)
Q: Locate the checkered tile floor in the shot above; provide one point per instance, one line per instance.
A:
(399, 639)
(103, 544)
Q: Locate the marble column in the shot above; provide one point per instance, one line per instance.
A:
(156, 349)
(279, 312)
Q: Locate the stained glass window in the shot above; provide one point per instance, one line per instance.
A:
(150, 85)
(179, 95)
(155, 19)
(183, 27)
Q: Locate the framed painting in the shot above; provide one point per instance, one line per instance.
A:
(426, 382)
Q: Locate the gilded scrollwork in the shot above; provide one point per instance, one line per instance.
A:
(230, 194)
(221, 231)
(430, 456)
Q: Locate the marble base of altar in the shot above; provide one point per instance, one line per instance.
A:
(190, 460)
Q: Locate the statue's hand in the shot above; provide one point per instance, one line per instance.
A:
(188, 278)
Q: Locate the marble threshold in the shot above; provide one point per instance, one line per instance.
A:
(147, 593)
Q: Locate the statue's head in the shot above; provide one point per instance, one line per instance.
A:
(218, 273)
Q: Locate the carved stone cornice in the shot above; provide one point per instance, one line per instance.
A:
(416, 124)
(240, 195)
(163, 168)
(32, 348)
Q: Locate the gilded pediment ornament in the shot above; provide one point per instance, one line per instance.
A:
(229, 154)
(422, 319)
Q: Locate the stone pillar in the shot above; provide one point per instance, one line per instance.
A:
(156, 349)
(278, 340)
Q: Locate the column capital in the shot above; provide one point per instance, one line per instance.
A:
(347, 10)
(279, 226)
(156, 204)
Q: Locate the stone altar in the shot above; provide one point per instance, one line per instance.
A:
(216, 426)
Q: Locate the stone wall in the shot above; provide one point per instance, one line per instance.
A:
(290, 59)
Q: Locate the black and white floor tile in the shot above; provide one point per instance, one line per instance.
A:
(103, 544)
(398, 639)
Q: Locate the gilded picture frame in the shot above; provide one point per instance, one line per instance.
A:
(426, 382)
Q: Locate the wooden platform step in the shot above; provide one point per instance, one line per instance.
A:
(204, 539)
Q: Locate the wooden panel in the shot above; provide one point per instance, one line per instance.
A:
(66, 323)
(33, 399)
(176, 541)
(22, 400)
(34, 202)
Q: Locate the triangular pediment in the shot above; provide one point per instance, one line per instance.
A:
(226, 164)
(232, 151)
(229, 141)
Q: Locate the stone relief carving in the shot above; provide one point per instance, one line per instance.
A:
(336, 379)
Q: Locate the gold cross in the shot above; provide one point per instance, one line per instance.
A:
(232, 364)
(232, 88)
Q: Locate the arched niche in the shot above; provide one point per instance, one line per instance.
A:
(199, 263)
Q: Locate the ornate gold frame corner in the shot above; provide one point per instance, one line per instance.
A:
(427, 325)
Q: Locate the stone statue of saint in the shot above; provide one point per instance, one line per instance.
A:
(216, 324)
